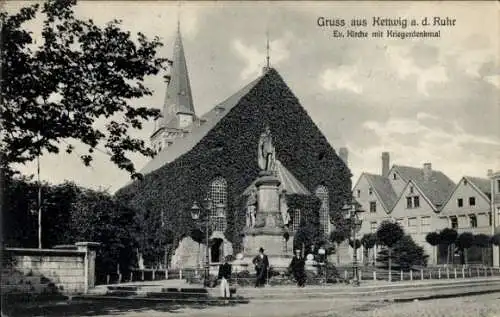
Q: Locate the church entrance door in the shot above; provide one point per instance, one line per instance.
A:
(216, 250)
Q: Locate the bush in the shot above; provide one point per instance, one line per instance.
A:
(405, 254)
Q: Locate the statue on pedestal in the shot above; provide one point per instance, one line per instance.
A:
(251, 208)
(284, 209)
(267, 153)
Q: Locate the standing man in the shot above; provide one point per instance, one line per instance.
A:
(261, 263)
(297, 267)
(224, 277)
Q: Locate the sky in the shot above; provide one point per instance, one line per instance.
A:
(423, 100)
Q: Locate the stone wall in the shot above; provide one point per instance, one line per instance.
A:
(65, 271)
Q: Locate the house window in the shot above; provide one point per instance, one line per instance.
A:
(416, 202)
(373, 206)
(324, 211)
(460, 202)
(373, 226)
(425, 224)
(359, 193)
(473, 221)
(409, 202)
(412, 225)
(411, 189)
(490, 218)
(472, 201)
(370, 191)
(218, 197)
(498, 185)
(395, 177)
(465, 182)
(454, 222)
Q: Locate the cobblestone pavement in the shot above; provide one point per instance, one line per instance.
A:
(473, 306)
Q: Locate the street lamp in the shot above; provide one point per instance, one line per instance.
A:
(195, 215)
(353, 209)
(322, 262)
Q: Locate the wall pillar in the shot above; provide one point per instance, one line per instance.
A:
(89, 263)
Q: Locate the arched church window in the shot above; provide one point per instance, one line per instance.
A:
(324, 211)
(218, 197)
(296, 220)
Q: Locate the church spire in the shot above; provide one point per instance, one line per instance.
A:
(178, 99)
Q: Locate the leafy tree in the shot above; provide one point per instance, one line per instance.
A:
(434, 239)
(482, 241)
(405, 254)
(338, 236)
(97, 217)
(80, 75)
(355, 244)
(368, 241)
(495, 240)
(388, 234)
(448, 238)
(464, 242)
(306, 236)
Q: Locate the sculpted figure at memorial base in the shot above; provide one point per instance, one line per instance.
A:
(266, 152)
(251, 209)
(284, 209)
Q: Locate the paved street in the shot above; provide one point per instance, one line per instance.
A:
(480, 306)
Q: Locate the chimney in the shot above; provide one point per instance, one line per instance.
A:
(490, 173)
(385, 164)
(343, 154)
(427, 171)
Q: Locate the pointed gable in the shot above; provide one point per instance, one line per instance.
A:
(178, 98)
(468, 187)
(437, 188)
(384, 190)
(482, 184)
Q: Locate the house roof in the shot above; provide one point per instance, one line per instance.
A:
(483, 184)
(437, 188)
(384, 189)
(199, 129)
(288, 182)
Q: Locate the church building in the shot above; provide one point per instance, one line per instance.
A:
(214, 161)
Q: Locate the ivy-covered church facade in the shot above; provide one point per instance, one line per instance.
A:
(214, 156)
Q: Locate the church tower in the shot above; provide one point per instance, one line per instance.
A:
(178, 110)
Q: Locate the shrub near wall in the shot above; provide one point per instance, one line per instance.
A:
(230, 150)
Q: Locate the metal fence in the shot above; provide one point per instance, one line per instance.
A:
(280, 276)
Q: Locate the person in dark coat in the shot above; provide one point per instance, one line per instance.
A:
(297, 267)
(261, 263)
(224, 277)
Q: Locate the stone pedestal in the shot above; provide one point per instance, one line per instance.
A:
(269, 228)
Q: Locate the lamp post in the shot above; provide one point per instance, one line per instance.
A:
(352, 209)
(322, 262)
(195, 215)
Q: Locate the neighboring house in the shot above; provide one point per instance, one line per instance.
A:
(424, 195)
(411, 196)
(469, 207)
